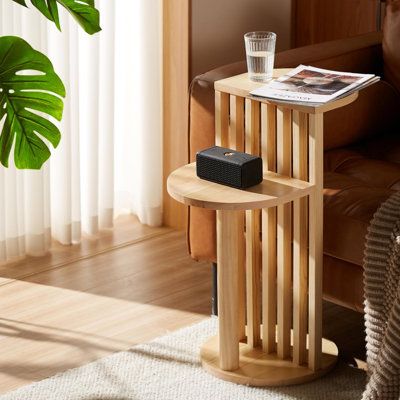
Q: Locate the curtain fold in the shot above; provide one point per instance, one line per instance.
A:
(109, 160)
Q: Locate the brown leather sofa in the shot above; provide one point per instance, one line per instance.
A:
(362, 151)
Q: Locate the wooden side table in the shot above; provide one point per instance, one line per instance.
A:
(269, 240)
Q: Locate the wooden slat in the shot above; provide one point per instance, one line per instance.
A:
(253, 278)
(268, 137)
(253, 249)
(284, 296)
(252, 127)
(242, 275)
(269, 279)
(236, 141)
(228, 269)
(300, 145)
(284, 141)
(221, 119)
(268, 149)
(300, 240)
(236, 128)
(284, 233)
(315, 241)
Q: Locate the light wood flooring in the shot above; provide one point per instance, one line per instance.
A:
(123, 287)
(69, 308)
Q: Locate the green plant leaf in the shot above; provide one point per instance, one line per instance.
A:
(22, 2)
(84, 11)
(29, 88)
(49, 9)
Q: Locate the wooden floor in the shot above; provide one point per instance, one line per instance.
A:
(62, 313)
(122, 288)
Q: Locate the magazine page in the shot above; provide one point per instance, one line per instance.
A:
(311, 84)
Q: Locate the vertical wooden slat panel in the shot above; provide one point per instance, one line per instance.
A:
(268, 151)
(236, 141)
(316, 165)
(300, 240)
(253, 250)
(284, 233)
(221, 119)
(228, 269)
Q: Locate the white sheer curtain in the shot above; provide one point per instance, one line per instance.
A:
(109, 160)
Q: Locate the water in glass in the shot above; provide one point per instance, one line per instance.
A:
(260, 65)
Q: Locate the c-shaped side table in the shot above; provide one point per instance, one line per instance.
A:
(269, 240)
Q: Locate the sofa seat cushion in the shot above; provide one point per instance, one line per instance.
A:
(385, 148)
(354, 187)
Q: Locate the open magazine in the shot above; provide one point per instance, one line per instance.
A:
(314, 86)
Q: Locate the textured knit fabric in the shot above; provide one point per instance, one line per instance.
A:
(382, 302)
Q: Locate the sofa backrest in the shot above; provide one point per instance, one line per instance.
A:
(391, 43)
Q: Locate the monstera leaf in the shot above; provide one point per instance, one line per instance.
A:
(29, 90)
(83, 11)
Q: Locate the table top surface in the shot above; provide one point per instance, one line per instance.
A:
(184, 186)
(241, 85)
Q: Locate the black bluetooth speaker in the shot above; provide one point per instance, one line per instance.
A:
(229, 167)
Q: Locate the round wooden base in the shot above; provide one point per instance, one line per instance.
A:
(256, 368)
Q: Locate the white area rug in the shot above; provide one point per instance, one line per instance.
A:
(168, 369)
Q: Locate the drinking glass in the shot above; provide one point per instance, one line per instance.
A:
(260, 54)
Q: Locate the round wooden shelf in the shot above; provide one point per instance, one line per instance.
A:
(256, 368)
(184, 186)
